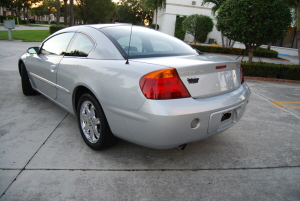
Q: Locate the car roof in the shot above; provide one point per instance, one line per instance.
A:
(96, 26)
(99, 26)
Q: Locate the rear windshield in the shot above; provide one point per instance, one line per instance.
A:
(146, 42)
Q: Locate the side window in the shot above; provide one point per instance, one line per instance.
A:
(80, 46)
(57, 45)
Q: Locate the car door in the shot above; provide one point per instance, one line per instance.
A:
(43, 66)
(71, 67)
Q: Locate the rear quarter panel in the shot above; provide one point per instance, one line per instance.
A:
(111, 81)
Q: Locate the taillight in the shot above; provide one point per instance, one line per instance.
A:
(163, 84)
(242, 75)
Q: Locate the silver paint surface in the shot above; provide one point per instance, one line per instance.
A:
(158, 124)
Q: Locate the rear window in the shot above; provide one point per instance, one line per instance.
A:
(146, 42)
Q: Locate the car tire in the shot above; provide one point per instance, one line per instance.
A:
(26, 85)
(93, 124)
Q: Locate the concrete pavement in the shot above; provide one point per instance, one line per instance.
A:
(43, 157)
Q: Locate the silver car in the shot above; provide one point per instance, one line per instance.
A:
(135, 83)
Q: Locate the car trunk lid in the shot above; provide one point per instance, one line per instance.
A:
(203, 76)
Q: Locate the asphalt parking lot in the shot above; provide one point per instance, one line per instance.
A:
(42, 155)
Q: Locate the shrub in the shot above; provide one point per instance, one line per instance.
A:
(55, 28)
(42, 22)
(280, 71)
(198, 26)
(179, 31)
(261, 52)
(152, 26)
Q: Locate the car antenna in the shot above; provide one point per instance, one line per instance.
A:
(127, 62)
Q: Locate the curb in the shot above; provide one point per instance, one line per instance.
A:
(271, 79)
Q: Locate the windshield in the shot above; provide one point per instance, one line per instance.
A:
(146, 42)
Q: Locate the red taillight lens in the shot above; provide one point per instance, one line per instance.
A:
(221, 67)
(163, 84)
(242, 75)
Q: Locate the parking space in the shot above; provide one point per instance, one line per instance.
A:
(283, 95)
(287, 104)
(43, 157)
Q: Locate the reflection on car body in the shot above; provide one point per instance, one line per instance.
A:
(166, 95)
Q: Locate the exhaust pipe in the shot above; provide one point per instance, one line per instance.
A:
(182, 147)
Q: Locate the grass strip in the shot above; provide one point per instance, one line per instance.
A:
(34, 25)
(26, 35)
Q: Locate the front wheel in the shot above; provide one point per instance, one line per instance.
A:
(92, 123)
(26, 85)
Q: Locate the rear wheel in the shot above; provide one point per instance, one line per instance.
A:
(93, 124)
(26, 85)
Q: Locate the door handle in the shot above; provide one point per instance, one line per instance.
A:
(53, 68)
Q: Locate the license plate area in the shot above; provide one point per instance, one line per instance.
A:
(224, 119)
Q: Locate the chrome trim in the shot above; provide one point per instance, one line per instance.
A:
(62, 89)
(43, 79)
(50, 83)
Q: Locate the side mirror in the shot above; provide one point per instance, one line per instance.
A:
(33, 50)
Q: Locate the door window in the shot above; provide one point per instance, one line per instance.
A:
(57, 45)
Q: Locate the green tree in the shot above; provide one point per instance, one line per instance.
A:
(17, 5)
(254, 22)
(132, 11)
(295, 4)
(198, 26)
(179, 31)
(50, 8)
(95, 11)
(217, 5)
(214, 9)
(154, 5)
(47, 7)
(39, 11)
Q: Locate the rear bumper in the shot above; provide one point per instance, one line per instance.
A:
(164, 124)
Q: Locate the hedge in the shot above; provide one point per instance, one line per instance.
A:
(152, 26)
(270, 70)
(179, 32)
(9, 18)
(260, 52)
(55, 28)
(47, 22)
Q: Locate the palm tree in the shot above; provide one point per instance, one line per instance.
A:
(214, 9)
(155, 5)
